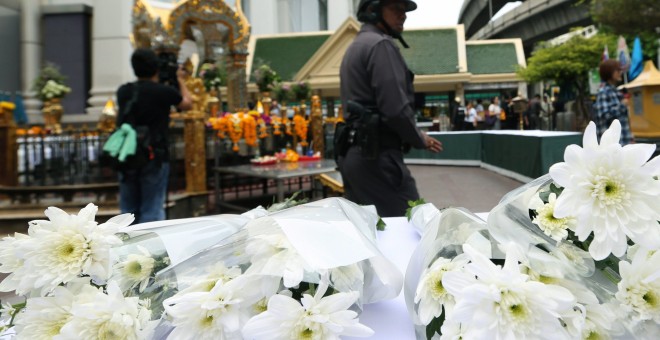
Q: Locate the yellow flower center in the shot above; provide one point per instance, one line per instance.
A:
(306, 334)
(437, 290)
(111, 331)
(207, 321)
(514, 309)
(209, 286)
(54, 328)
(593, 336)
(651, 298)
(68, 251)
(609, 190)
(134, 268)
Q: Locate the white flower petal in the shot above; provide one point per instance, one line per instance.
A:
(612, 135)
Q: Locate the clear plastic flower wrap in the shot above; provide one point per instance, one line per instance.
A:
(516, 270)
(149, 248)
(318, 254)
(549, 263)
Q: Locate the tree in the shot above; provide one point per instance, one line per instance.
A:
(630, 18)
(569, 63)
(626, 16)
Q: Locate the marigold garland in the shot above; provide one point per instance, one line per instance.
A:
(263, 129)
(300, 126)
(235, 128)
(250, 130)
(287, 126)
(277, 123)
(219, 124)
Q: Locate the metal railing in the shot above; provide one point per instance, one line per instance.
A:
(75, 157)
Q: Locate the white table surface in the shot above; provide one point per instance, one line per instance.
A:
(390, 319)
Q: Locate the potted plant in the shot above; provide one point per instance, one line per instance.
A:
(265, 77)
(50, 89)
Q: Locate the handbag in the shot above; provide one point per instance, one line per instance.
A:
(490, 120)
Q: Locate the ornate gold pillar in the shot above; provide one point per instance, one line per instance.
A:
(8, 148)
(237, 82)
(316, 123)
(194, 137)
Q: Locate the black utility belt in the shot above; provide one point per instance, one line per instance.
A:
(385, 140)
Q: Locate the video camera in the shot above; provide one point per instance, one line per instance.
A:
(167, 67)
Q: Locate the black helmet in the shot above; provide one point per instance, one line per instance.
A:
(364, 16)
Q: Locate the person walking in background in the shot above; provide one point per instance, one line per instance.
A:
(142, 192)
(533, 113)
(610, 104)
(471, 118)
(480, 110)
(377, 93)
(546, 113)
(510, 121)
(493, 114)
(458, 116)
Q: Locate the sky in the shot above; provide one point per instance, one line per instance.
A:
(434, 13)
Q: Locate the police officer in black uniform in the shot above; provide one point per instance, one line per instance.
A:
(378, 96)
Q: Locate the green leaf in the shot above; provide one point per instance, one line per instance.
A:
(434, 326)
(381, 224)
(412, 204)
(288, 203)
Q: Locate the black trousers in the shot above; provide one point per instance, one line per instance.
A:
(385, 182)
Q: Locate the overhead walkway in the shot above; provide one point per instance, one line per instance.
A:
(532, 21)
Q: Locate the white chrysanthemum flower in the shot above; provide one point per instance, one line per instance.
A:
(96, 315)
(578, 260)
(218, 314)
(600, 322)
(552, 226)
(611, 191)
(347, 278)
(639, 289)
(66, 246)
(44, 317)
(12, 252)
(136, 270)
(500, 302)
(317, 318)
(272, 254)
(12, 255)
(431, 295)
(216, 273)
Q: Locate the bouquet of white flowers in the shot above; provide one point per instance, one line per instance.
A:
(53, 89)
(62, 267)
(85, 280)
(300, 272)
(550, 262)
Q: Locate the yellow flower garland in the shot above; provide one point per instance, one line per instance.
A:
(300, 126)
(276, 122)
(250, 130)
(219, 124)
(263, 130)
(235, 128)
(287, 126)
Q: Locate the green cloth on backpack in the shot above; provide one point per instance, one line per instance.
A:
(122, 143)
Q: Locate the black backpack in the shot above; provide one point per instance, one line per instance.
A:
(144, 150)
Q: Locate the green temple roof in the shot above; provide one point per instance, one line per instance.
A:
(491, 58)
(432, 51)
(287, 54)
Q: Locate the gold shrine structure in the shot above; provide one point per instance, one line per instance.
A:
(224, 33)
(223, 30)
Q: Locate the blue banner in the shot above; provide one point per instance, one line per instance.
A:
(636, 61)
